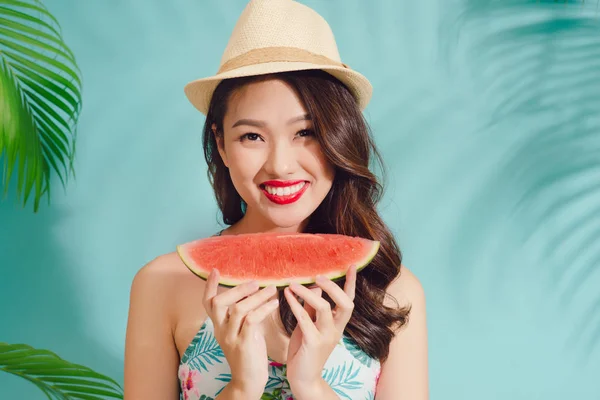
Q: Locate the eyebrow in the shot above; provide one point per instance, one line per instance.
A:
(262, 124)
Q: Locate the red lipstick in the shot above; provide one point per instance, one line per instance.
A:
(284, 199)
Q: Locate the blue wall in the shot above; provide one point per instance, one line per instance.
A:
(487, 113)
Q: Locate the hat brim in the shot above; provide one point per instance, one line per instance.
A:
(199, 92)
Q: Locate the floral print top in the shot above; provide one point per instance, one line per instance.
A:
(204, 372)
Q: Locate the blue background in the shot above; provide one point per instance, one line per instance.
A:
(487, 114)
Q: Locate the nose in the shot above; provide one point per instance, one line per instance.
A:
(281, 159)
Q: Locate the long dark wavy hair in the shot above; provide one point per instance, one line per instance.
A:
(349, 208)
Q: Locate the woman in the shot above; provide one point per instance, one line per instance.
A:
(287, 150)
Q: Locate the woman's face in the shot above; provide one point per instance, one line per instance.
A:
(275, 161)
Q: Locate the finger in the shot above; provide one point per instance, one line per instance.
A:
(350, 285)
(308, 328)
(319, 293)
(255, 317)
(309, 309)
(210, 290)
(239, 310)
(221, 302)
(321, 306)
(344, 304)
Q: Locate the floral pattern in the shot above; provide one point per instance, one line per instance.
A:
(204, 372)
(189, 380)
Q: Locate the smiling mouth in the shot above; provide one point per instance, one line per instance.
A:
(284, 192)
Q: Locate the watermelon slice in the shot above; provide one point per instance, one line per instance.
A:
(276, 258)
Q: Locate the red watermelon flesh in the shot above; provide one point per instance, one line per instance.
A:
(276, 258)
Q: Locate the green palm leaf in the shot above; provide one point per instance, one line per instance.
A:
(40, 99)
(55, 377)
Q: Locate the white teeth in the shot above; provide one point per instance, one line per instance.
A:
(284, 191)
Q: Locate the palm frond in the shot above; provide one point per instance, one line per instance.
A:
(55, 377)
(40, 99)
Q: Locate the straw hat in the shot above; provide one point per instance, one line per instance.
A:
(275, 36)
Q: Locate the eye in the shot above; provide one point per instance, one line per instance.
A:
(253, 137)
(305, 132)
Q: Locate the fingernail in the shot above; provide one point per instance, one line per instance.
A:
(274, 302)
(320, 278)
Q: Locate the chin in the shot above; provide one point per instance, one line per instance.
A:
(286, 219)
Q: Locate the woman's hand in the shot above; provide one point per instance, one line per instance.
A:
(311, 342)
(237, 319)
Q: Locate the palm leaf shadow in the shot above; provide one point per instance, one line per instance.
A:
(39, 294)
(539, 72)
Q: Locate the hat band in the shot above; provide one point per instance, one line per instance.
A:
(277, 54)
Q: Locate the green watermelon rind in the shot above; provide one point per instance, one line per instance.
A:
(334, 276)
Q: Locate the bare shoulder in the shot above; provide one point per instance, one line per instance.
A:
(164, 282)
(165, 266)
(152, 283)
(405, 372)
(406, 288)
(154, 290)
(151, 356)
